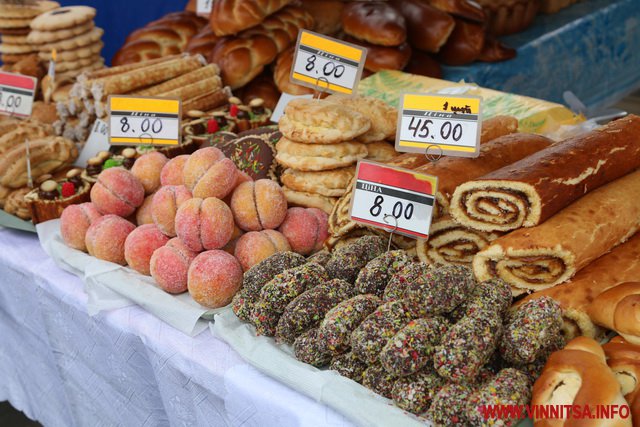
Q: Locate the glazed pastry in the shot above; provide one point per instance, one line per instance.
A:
(308, 309)
(466, 347)
(509, 387)
(414, 393)
(370, 337)
(530, 329)
(49, 200)
(346, 262)
(448, 407)
(377, 379)
(306, 348)
(348, 365)
(335, 330)
(375, 276)
(412, 348)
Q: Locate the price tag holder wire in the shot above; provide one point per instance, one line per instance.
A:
(392, 230)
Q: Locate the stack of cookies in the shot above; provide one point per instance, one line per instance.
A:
(324, 139)
(15, 18)
(71, 32)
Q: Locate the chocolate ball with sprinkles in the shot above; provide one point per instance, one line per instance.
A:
(466, 348)
(530, 329)
(412, 348)
(414, 393)
(509, 387)
(347, 261)
(309, 308)
(338, 324)
(252, 154)
(534, 369)
(260, 274)
(448, 407)
(376, 378)
(490, 298)
(348, 365)
(370, 337)
(375, 276)
(242, 305)
(306, 349)
(321, 258)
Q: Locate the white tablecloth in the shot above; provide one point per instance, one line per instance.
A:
(124, 367)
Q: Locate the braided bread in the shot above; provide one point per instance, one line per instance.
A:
(232, 16)
(243, 57)
(282, 74)
(203, 42)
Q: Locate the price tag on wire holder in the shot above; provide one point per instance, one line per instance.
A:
(439, 125)
(16, 94)
(144, 121)
(326, 63)
(203, 7)
(383, 191)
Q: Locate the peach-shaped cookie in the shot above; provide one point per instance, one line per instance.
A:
(305, 229)
(204, 223)
(173, 171)
(117, 192)
(143, 213)
(140, 245)
(106, 236)
(170, 265)
(166, 202)
(214, 278)
(259, 205)
(147, 169)
(231, 246)
(74, 223)
(255, 246)
(208, 173)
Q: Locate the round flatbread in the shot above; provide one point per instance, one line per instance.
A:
(72, 55)
(28, 10)
(384, 118)
(13, 23)
(309, 200)
(381, 151)
(306, 157)
(11, 39)
(332, 183)
(39, 37)
(63, 17)
(16, 48)
(76, 42)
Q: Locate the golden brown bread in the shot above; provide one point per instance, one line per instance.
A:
(464, 45)
(377, 23)
(202, 73)
(495, 51)
(461, 8)
(423, 64)
(332, 183)
(509, 17)
(318, 157)
(327, 15)
(548, 254)
(241, 58)
(430, 37)
(384, 57)
(262, 87)
(578, 375)
(495, 154)
(624, 360)
(232, 16)
(282, 74)
(383, 117)
(533, 189)
(617, 309)
(620, 265)
(203, 42)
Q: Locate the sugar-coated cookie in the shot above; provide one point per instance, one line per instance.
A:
(63, 17)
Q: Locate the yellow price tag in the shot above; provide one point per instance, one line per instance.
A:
(327, 64)
(439, 125)
(144, 121)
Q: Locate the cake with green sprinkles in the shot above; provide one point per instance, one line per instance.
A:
(338, 324)
(414, 393)
(242, 305)
(377, 379)
(448, 407)
(286, 286)
(347, 261)
(375, 276)
(258, 275)
(412, 348)
(307, 350)
(348, 365)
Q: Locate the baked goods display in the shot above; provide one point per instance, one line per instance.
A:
(622, 358)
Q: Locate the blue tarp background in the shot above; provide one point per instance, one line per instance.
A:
(591, 48)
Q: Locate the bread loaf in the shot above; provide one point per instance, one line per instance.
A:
(617, 309)
(423, 64)
(533, 189)
(466, 9)
(382, 57)
(203, 42)
(495, 51)
(377, 23)
(428, 37)
(464, 45)
(548, 254)
(327, 15)
(232, 16)
(282, 74)
(578, 375)
(624, 360)
(262, 87)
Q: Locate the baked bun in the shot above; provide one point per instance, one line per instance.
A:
(326, 13)
(427, 27)
(203, 42)
(382, 57)
(423, 64)
(617, 309)
(464, 45)
(261, 87)
(495, 51)
(466, 9)
(282, 74)
(374, 22)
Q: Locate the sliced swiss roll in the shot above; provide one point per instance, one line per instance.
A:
(529, 191)
(532, 259)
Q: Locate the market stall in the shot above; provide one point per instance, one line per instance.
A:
(319, 213)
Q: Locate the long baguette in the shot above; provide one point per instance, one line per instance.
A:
(541, 257)
(530, 191)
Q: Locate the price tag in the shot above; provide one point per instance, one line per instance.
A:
(327, 64)
(98, 141)
(285, 98)
(203, 7)
(442, 124)
(144, 121)
(16, 94)
(403, 194)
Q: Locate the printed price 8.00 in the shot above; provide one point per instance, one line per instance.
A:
(398, 211)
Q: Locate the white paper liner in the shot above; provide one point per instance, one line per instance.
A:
(111, 286)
